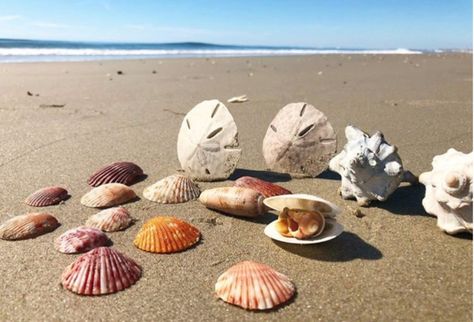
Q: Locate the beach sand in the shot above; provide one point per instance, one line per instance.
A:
(392, 264)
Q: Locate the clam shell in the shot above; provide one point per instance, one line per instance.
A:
(80, 240)
(267, 189)
(46, 197)
(165, 234)
(119, 172)
(172, 189)
(108, 195)
(254, 286)
(234, 201)
(304, 202)
(102, 270)
(28, 226)
(112, 219)
(301, 224)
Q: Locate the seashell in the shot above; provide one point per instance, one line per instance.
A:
(254, 286)
(267, 189)
(112, 219)
(300, 140)
(80, 240)
(172, 189)
(303, 202)
(449, 191)
(47, 197)
(370, 167)
(28, 226)
(165, 234)
(301, 224)
(208, 146)
(108, 195)
(118, 172)
(234, 201)
(100, 271)
(238, 99)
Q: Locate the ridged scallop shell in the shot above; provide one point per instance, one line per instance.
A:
(234, 201)
(47, 196)
(102, 270)
(267, 189)
(108, 195)
(80, 240)
(112, 219)
(254, 286)
(165, 234)
(28, 226)
(172, 189)
(119, 172)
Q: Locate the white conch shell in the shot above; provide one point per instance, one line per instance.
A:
(208, 142)
(449, 191)
(370, 167)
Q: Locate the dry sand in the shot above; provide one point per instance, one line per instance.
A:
(393, 264)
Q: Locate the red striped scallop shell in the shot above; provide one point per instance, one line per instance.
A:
(108, 195)
(80, 240)
(119, 172)
(47, 196)
(112, 219)
(267, 189)
(28, 226)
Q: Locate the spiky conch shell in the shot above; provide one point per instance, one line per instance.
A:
(118, 172)
(267, 189)
(102, 270)
(236, 201)
(47, 196)
(28, 226)
(112, 219)
(254, 286)
(166, 234)
(80, 240)
(108, 195)
(175, 188)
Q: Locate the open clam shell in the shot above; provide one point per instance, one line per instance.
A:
(332, 230)
(304, 202)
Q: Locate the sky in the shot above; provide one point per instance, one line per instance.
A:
(381, 24)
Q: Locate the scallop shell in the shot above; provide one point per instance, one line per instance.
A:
(234, 201)
(112, 219)
(208, 146)
(47, 197)
(108, 195)
(300, 141)
(254, 286)
(28, 226)
(172, 189)
(119, 172)
(267, 189)
(165, 234)
(304, 202)
(80, 240)
(102, 270)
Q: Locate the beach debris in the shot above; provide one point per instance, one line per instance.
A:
(320, 73)
(108, 195)
(238, 99)
(251, 74)
(110, 220)
(449, 191)
(119, 172)
(236, 201)
(175, 188)
(208, 146)
(370, 167)
(254, 286)
(100, 271)
(153, 71)
(29, 225)
(119, 72)
(52, 105)
(166, 234)
(29, 93)
(80, 240)
(300, 141)
(47, 196)
(356, 212)
(299, 223)
(267, 189)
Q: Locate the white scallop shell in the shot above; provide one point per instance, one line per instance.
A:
(112, 219)
(172, 189)
(304, 202)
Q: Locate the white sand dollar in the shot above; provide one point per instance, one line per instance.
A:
(208, 145)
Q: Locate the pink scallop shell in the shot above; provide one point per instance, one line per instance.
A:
(47, 196)
(112, 219)
(80, 240)
(267, 189)
(119, 172)
(28, 226)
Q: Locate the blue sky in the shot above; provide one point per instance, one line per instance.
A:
(361, 24)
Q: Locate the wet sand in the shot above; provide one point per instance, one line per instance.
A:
(392, 264)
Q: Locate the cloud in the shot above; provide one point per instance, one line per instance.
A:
(10, 17)
(51, 25)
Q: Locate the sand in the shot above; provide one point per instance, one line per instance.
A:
(392, 264)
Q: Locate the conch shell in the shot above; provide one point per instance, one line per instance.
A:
(301, 224)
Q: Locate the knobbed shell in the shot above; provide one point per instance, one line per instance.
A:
(112, 219)
(267, 189)
(301, 224)
(108, 195)
(102, 270)
(208, 146)
(300, 141)
(47, 196)
(172, 189)
(118, 172)
(28, 226)
(254, 286)
(166, 234)
(80, 240)
(234, 201)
